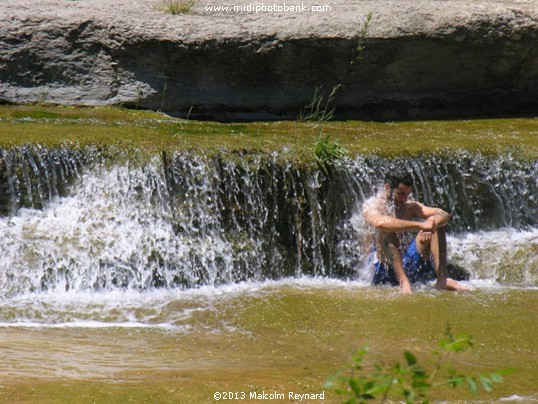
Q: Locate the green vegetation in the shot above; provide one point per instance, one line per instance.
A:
(361, 44)
(175, 6)
(328, 152)
(151, 132)
(322, 107)
(409, 381)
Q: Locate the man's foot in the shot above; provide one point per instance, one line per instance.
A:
(452, 285)
(406, 289)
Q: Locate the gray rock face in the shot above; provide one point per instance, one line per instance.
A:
(423, 59)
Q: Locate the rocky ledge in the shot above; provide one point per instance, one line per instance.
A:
(422, 58)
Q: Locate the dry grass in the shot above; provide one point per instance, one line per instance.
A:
(175, 6)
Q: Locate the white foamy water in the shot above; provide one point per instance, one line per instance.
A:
(507, 256)
(518, 399)
(86, 324)
(108, 234)
(165, 309)
(176, 310)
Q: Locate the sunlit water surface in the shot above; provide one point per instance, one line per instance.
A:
(116, 335)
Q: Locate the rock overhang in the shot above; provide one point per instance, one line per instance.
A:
(425, 59)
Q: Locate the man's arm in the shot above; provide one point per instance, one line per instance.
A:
(389, 224)
(425, 212)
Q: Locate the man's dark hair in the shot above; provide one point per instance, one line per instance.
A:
(397, 177)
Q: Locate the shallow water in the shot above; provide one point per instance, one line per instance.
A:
(281, 335)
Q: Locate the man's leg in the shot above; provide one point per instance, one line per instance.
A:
(436, 247)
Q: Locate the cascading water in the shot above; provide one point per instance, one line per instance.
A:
(86, 239)
(182, 221)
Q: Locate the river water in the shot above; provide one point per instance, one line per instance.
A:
(105, 266)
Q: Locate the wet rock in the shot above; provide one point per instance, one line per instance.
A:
(457, 272)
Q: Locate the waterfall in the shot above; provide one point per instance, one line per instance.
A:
(73, 220)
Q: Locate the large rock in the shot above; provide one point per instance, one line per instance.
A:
(422, 58)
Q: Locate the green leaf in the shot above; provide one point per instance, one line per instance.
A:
(486, 383)
(505, 372)
(419, 373)
(409, 396)
(496, 378)
(456, 381)
(359, 355)
(368, 386)
(410, 358)
(381, 388)
(329, 384)
(355, 386)
(421, 385)
(472, 385)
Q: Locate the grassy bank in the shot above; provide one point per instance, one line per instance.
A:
(151, 132)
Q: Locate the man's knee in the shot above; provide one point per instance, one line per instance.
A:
(423, 244)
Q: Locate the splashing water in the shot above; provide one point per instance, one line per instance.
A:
(74, 226)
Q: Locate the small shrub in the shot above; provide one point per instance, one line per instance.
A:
(175, 6)
(409, 381)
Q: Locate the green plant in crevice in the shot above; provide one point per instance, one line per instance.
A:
(327, 152)
(175, 6)
(43, 96)
(139, 95)
(163, 97)
(361, 45)
(410, 381)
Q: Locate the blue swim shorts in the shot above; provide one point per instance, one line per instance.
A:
(416, 268)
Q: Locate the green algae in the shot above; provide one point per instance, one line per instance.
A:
(153, 132)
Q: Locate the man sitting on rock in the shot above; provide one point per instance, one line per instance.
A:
(391, 214)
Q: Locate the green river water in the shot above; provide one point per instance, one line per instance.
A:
(286, 336)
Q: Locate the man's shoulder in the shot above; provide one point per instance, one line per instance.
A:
(374, 203)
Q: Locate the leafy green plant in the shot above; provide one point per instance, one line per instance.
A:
(409, 381)
(175, 6)
(327, 152)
